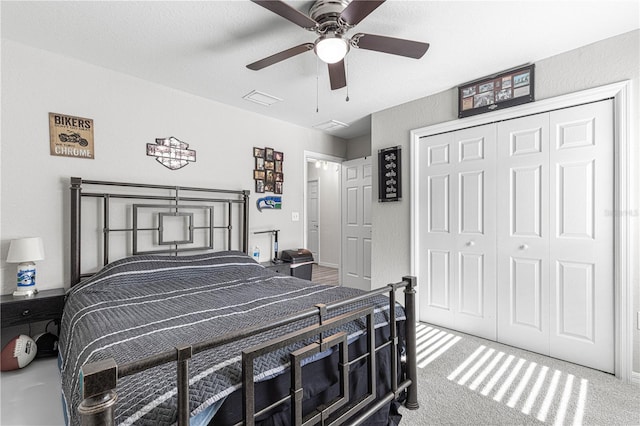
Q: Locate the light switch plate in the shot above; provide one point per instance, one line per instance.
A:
(295, 216)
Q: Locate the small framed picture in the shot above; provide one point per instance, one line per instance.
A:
(270, 176)
(278, 166)
(279, 177)
(268, 187)
(268, 154)
(259, 185)
(278, 156)
(258, 174)
(269, 165)
(259, 163)
(278, 188)
(258, 152)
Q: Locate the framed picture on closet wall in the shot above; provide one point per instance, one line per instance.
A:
(502, 90)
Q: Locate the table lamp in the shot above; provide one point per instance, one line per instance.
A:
(25, 251)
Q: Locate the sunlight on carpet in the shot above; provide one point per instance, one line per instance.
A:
(558, 394)
(432, 343)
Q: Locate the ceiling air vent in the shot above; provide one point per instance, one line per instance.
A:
(331, 125)
(261, 98)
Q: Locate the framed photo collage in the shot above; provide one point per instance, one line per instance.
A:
(268, 174)
(503, 90)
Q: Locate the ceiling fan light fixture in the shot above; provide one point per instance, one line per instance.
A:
(331, 48)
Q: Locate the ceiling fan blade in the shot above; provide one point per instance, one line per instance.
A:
(287, 12)
(357, 10)
(337, 75)
(395, 46)
(280, 56)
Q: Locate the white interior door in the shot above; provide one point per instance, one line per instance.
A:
(582, 235)
(356, 223)
(313, 219)
(458, 230)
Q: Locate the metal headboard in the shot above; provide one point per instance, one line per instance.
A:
(205, 199)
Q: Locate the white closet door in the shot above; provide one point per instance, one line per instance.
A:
(581, 238)
(458, 230)
(523, 233)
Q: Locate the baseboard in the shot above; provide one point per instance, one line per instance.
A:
(635, 378)
(329, 265)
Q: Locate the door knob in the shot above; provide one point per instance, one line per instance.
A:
(471, 243)
(524, 247)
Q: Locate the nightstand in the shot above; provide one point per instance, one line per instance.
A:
(280, 268)
(44, 305)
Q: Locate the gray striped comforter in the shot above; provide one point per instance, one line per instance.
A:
(143, 305)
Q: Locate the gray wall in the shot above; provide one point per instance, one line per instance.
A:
(608, 61)
(359, 147)
(128, 113)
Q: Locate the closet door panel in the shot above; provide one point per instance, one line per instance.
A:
(581, 237)
(473, 184)
(436, 233)
(522, 236)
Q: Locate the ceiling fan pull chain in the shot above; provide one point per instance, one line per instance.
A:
(346, 62)
(317, 86)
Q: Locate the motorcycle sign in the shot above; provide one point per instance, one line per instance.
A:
(70, 136)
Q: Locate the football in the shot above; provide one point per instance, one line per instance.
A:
(18, 353)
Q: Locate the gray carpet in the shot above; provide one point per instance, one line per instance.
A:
(465, 380)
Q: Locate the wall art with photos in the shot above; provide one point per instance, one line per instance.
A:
(268, 171)
(506, 89)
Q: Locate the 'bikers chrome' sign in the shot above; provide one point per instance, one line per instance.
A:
(70, 136)
(171, 152)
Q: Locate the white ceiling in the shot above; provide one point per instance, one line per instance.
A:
(203, 47)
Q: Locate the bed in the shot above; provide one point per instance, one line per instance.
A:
(160, 335)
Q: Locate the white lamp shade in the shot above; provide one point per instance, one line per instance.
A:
(25, 250)
(331, 49)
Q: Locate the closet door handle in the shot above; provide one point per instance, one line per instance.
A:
(524, 247)
(471, 243)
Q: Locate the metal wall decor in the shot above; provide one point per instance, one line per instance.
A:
(171, 152)
(389, 174)
(502, 90)
(268, 173)
(70, 136)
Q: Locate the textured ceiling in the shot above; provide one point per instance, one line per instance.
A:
(203, 47)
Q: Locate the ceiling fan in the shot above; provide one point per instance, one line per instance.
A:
(331, 20)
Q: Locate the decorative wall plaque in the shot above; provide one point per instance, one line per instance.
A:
(70, 136)
(171, 152)
(389, 178)
(270, 202)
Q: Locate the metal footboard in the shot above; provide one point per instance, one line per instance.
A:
(99, 379)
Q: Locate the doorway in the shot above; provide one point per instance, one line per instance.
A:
(322, 208)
